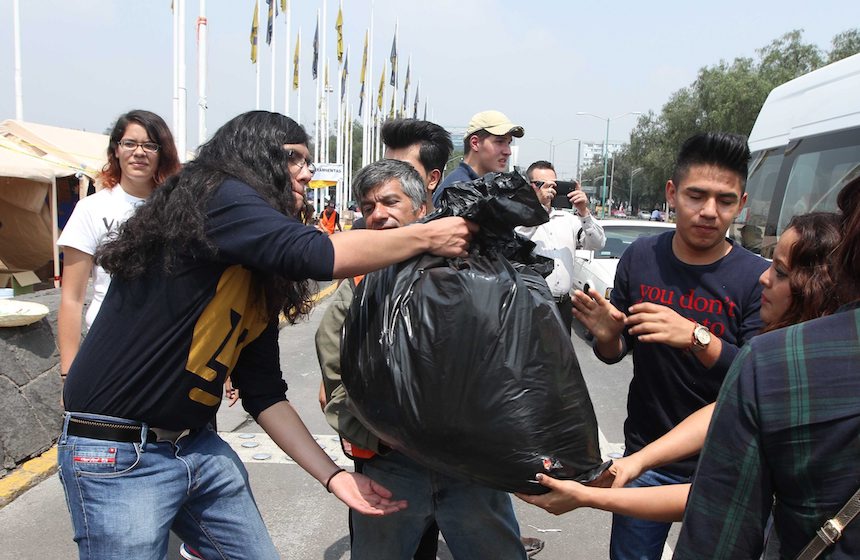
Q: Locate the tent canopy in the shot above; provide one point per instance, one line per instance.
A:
(32, 158)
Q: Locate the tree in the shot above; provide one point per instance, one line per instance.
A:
(844, 45)
(724, 97)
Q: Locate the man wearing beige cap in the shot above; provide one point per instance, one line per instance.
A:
(486, 149)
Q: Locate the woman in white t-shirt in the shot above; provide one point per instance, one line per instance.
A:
(141, 155)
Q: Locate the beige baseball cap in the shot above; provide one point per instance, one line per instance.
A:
(494, 122)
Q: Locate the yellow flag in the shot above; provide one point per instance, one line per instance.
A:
(255, 23)
(296, 64)
(381, 89)
(338, 24)
(283, 5)
(363, 71)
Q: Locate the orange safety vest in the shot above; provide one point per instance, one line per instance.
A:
(350, 449)
(329, 221)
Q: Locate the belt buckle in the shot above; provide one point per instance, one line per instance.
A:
(831, 531)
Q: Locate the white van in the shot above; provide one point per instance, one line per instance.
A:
(805, 147)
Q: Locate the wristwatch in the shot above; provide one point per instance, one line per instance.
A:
(701, 338)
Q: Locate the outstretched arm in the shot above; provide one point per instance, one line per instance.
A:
(657, 503)
(684, 440)
(361, 251)
(286, 429)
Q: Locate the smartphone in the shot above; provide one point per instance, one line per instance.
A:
(562, 188)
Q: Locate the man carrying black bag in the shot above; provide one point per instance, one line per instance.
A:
(476, 521)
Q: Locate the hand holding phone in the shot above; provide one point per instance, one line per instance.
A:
(562, 188)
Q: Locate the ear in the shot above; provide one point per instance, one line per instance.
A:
(671, 193)
(433, 179)
(422, 211)
(474, 142)
(741, 205)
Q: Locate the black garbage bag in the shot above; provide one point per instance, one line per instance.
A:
(465, 365)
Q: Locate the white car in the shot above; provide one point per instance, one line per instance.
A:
(596, 269)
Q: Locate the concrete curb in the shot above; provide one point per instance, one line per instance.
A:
(27, 475)
(38, 469)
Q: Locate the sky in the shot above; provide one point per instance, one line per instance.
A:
(84, 62)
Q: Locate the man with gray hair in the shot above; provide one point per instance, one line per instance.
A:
(477, 522)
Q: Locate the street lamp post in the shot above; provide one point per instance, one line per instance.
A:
(606, 151)
(633, 173)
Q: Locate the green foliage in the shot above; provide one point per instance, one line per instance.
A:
(724, 97)
(844, 45)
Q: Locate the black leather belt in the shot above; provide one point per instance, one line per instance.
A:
(108, 431)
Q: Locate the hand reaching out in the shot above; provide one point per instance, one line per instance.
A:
(364, 495)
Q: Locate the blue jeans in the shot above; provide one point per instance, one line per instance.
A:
(124, 498)
(477, 522)
(638, 539)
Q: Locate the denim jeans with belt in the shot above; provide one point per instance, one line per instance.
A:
(124, 498)
(478, 523)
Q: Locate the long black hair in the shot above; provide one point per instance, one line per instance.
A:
(170, 226)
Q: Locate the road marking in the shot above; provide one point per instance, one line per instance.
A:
(259, 448)
(608, 450)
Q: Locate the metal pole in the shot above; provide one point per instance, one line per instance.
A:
(578, 156)
(181, 90)
(287, 60)
(19, 96)
(605, 167)
(201, 74)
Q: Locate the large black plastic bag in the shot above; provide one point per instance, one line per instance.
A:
(465, 365)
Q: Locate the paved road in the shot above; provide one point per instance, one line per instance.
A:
(306, 522)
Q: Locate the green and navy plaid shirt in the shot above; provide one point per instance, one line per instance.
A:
(785, 434)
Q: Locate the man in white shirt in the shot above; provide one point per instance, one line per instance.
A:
(557, 239)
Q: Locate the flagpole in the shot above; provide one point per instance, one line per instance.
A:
(324, 59)
(299, 89)
(201, 73)
(175, 120)
(287, 89)
(366, 132)
(273, 50)
(319, 79)
(19, 95)
(182, 91)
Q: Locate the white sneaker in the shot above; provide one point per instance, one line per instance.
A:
(189, 553)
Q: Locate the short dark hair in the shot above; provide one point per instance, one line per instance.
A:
(158, 132)
(435, 141)
(539, 164)
(481, 134)
(720, 149)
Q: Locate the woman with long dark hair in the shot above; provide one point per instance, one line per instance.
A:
(200, 274)
(141, 155)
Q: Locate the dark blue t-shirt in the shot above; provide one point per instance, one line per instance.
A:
(163, 344)
(668, 383)
(462, 174)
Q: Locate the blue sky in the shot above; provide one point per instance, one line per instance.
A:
(86, 61)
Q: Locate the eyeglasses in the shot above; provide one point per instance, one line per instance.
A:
(297, 159)
(131, 145)
(538, 184)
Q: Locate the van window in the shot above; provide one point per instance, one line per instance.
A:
(815, 180)
(749, 227)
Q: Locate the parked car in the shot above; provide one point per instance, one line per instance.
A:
(596, 269)
(644, 215)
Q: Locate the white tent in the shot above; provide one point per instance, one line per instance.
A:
(32, 159)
